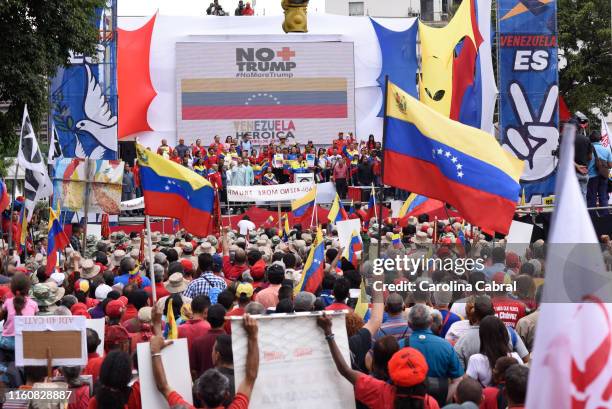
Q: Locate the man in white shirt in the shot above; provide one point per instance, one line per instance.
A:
(245, 225)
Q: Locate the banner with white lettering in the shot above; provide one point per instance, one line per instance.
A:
(529, 89)
(274, 193)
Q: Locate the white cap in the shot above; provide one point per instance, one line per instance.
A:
(58, 278)
(102, 291)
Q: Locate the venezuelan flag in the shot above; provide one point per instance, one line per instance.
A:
(300, 206)
(314, 268)
(171, 330)
(56, 240)
(371, 206)
(171, 190)
(396, 239)
(449, 161)
(5, 199)
(337, 212)
(361, 308)
(286, 230)
(352, 208)
(23, 221)
(412, 202)
(354, 246)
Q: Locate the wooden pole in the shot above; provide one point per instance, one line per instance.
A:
(150, 254)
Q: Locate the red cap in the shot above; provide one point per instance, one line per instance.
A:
(407, 367)
(80, 309)
(114, 309)
(187, 265)
(512, 260)
(114, 334)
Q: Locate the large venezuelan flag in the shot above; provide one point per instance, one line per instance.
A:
(56, 241)
(430, 154)
(172, 190)
(312, 274)
(261, 98)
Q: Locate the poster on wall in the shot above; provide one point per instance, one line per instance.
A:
(84, 96)
(300, 91)
(105, 179)
(529, 89)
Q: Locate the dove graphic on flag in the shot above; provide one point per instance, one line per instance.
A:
(99, 121)
(37, 182)
(572, 365)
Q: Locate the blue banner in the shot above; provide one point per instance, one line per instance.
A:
(528, 86)
(84, 96)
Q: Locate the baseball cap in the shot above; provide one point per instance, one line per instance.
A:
(102, 291)
(407, 367)
(244, 288)
(114, 309)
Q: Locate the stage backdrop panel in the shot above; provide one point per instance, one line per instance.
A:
(304, 91)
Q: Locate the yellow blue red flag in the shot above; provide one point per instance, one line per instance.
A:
(301, 205)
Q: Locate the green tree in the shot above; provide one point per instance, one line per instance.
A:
(585, 42)
(37, 37)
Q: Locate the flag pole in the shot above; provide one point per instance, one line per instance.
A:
(280, 223)
(382, 166)
(150, 254)
(86, 205)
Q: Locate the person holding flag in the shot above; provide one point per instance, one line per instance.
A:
(314, 268)
(56, 241)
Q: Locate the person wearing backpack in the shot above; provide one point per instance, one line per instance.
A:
(599, 170)
(207, 283)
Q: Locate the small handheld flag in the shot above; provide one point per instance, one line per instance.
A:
(314, 267)
(337, 212)
(361, 308)
(171, 330)
(300, 206)
(5, 199)
(354, 246)
(56, 240)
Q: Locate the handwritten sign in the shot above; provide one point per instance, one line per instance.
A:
(292, 346)
(62, 337)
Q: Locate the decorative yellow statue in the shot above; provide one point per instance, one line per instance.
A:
(295, 16)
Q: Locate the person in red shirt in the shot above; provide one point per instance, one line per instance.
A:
(214, 177)
(494, 396)
(341, 293)
(244, 294)
(217, 145)
(197, 325)
(164, 149)
(212, 379)
(508, 309)
(113, 388)
(233, 269)
(340, 142)
(407, 372)
(136, 300)
(200, 353)
(94, 360)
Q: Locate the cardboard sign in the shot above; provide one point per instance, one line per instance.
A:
(293, 353)
(63, 338)
(176, 365)
(98, 326)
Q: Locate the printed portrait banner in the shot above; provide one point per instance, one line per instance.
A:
(529, 89)
(105, 178)
(292, 344)
(63, 337)
(273, 193)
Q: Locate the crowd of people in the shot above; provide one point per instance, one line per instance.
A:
(234, 162)
(243, 9)
(413, 349)
(410, 349)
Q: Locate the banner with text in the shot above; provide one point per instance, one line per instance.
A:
(529, 89)
(301, 91)
(273, 193)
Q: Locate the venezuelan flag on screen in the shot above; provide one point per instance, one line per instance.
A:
(172, 190)
(56, 240)
(314, 268)
(263, 98)
(429, 154)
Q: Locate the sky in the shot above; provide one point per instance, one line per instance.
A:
(198, 7)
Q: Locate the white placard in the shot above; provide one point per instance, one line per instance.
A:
(326, 192)
(519, 237)
(132, 204)
(98, 326)
(95, 229)
(41, 323)
(396, 206)
(176, 365)
(346, 229)
(293, 353)
(304, 177)
(273, 193)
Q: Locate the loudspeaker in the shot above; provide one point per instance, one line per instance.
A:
(127, 152)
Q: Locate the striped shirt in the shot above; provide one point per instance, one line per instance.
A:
(394, 325)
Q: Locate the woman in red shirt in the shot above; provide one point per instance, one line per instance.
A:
(407, 371)
(112, 390)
